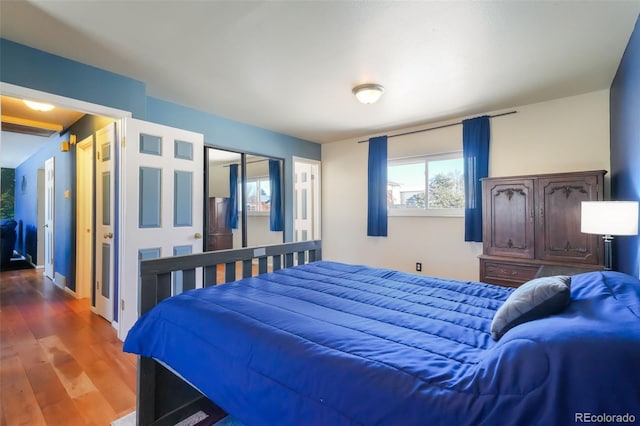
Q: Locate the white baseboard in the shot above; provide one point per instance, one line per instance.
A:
(60, 280)
(71, 292)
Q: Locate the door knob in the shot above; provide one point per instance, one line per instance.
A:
(197, 235)
(108, 235)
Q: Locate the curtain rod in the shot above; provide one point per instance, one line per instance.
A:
(439, 127)
(250, 162)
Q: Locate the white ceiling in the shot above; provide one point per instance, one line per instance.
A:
(289, 66)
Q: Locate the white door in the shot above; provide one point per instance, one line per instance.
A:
(84, 217)
(306, 198)
(105, 217)
(49, 196)
(161, 211)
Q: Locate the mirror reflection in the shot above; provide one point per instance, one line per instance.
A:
(264, 201)
(244, 205)
(223, 223)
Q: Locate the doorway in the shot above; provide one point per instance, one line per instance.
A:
(69, 241)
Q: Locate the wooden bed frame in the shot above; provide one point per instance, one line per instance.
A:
(163, 397)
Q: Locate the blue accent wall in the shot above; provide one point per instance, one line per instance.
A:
(625, 146)
(24, 66)
(39, 70)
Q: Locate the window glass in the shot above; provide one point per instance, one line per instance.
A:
(406, 184)
(426, 185)
(259, 195)
(446, 184)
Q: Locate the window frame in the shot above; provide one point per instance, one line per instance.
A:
(426, 211)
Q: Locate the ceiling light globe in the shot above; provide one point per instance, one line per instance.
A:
(368, 93)
(38, 106)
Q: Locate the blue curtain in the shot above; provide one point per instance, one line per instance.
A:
(275, 214)
(377, 188)
(232, 211)
(476, 133)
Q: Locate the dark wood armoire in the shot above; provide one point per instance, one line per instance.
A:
(219, 235)
(531, 221)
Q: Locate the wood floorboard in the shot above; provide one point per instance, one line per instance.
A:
(47, 386)
(60, 364)
(19, 403)
(65, 413)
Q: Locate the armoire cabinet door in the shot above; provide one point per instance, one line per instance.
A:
(509, 217)
(219, 235)
(558, 204)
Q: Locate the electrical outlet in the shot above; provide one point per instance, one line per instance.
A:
(419, 266)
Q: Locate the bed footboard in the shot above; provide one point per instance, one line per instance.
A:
(163, 397)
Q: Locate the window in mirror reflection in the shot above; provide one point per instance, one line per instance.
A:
(260, 228)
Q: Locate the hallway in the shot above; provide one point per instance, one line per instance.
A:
(59, 363)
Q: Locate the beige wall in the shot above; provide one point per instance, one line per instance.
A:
(568, 134)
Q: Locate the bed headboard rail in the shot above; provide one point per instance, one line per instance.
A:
(157, 274)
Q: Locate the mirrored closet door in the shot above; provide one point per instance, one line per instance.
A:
(244, 206)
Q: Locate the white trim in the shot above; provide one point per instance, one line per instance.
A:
(14, 91)
(425, 212)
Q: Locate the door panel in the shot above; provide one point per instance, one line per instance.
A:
(561, 238)
(105, 212)
(84, 218)
(509, 206)
(162, 204)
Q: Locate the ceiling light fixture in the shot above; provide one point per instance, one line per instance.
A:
(38, 106)
(368, 93)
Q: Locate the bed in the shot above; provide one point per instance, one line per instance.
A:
(330, 343)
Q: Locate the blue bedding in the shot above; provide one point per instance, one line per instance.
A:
(335, 344)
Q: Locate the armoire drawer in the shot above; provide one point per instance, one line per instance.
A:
(509, 274)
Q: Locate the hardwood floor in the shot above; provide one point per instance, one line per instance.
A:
(60, 364)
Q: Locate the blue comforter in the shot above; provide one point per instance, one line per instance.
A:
(335, 344)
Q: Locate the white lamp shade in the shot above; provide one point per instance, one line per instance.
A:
(38, 106)
(609, 217)
(368, 93)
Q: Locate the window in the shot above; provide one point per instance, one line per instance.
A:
(258, 195)
(426, 185)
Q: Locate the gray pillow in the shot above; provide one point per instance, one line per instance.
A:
(533, 300)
